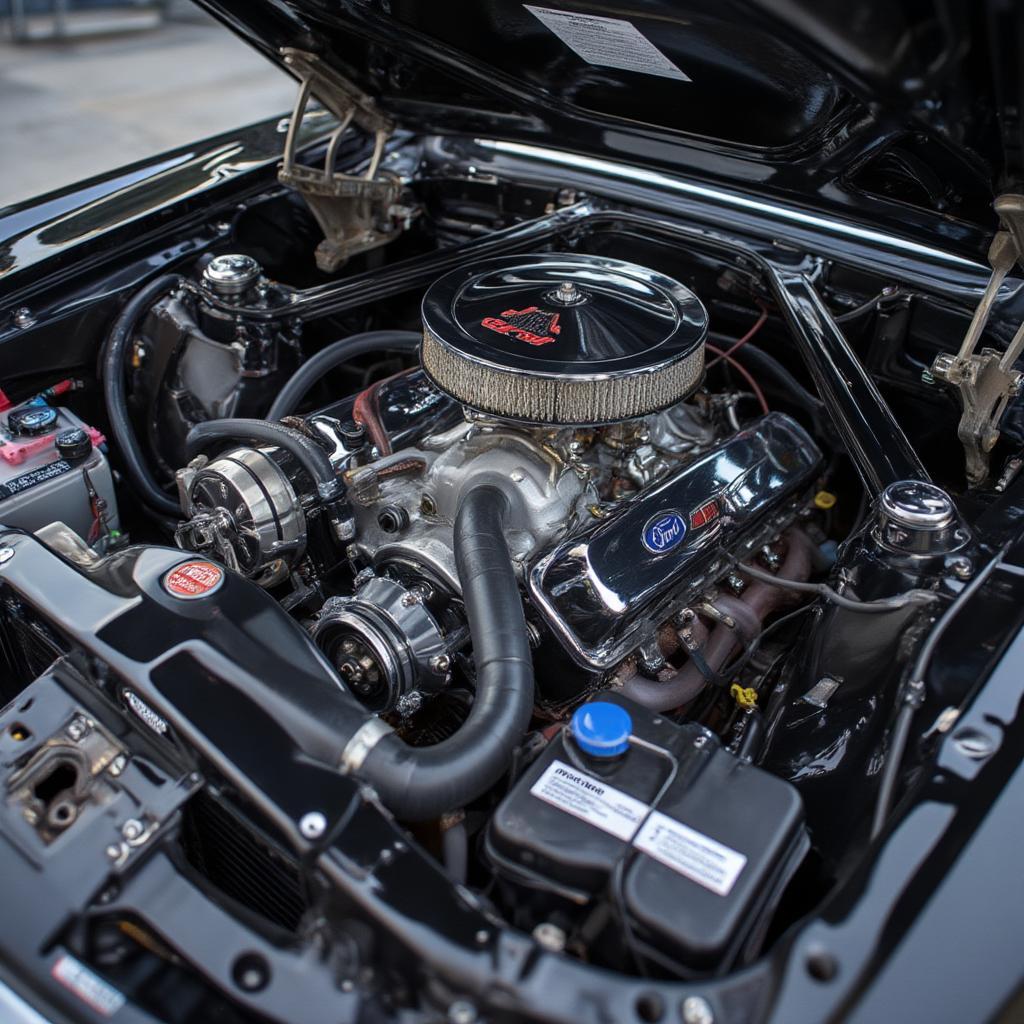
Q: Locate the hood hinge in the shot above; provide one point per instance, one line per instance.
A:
(987, 380)
(355, 213)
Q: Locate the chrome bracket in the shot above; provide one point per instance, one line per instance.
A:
(986, 380)
(355, 213)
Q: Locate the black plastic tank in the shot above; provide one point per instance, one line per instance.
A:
(697, 843)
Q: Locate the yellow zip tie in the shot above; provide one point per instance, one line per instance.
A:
(745, 696)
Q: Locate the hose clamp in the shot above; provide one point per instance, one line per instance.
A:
(365, 738)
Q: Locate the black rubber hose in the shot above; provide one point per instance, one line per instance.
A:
(753, 736)
(792, 389)
(116, 398)
(418, 783)
(455, 851)
(310, 456)
(336, 354)
(914, 695)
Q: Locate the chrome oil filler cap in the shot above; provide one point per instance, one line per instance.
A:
(917, 517)
(231, 275)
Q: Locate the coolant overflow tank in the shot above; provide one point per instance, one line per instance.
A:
(698, 858)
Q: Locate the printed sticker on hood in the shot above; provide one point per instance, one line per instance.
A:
(608, 42)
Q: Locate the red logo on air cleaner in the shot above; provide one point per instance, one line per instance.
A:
(533, 325)
(193, 579)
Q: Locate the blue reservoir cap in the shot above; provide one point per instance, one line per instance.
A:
(602, 729)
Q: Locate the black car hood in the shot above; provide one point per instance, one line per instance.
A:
(906, 103)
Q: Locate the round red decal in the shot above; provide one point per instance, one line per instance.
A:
(193, 579)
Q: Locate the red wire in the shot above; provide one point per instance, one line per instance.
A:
(758, 324)
(742, 370)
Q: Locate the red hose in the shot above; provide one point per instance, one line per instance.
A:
(366, 412)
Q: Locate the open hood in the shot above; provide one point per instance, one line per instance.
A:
(874, 105)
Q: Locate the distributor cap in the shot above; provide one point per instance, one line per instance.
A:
(555, 339)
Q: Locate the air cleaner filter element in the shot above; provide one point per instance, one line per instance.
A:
(579, 340)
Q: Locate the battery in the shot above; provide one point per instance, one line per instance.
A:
(39, 485)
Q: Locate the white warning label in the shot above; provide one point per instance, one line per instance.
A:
(89, 987)
(590, 800)
(691, 853)
(608, 42)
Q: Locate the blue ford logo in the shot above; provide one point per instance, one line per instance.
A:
(664, 532)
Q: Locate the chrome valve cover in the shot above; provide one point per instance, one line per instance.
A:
(603, 592)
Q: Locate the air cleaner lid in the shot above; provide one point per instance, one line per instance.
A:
(563, 339)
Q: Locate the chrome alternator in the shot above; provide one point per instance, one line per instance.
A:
(243, 510)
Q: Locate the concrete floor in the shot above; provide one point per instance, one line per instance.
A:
(76, 108)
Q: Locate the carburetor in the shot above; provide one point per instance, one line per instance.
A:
(404, 505)
(548, 355)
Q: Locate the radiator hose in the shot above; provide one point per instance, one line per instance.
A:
(116, 399)
(418, 783)
(421, 783)
(337, 354)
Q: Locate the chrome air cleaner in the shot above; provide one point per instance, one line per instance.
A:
(579, 340)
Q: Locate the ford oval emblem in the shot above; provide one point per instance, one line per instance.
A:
(664, 532)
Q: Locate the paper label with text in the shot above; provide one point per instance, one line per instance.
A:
(691, 853)
(608, 42)
(590, 800)
(88, 986)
